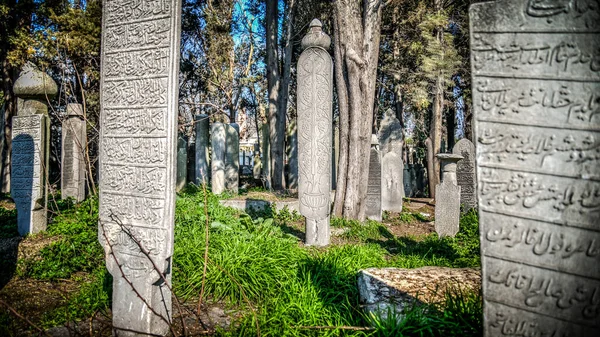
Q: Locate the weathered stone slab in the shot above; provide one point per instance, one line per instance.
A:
(218, 143)
(202, 168)
(392, 167)
(447, 197)
(373, 201)
(74, 142)
(232, 157)
(465, 173)
(314, 102)
(536, 81)
(138, 97)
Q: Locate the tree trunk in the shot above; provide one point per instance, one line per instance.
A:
(276, 116)
(430, 162)
(357, 39)
(450, 128)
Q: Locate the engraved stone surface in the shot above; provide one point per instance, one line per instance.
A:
(392, 168)
(202, 168)
(373, 201)
(138, 149)
(447, 197)
(465, 173)
(292, 157)
(232, 157)
(314, 102)
(182, 159)
(74, 142)
(217, 160)
(30, 148)
(536, 89)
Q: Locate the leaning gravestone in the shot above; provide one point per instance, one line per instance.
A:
(232, 157)
(201, 169)
(536, 89)
(392, 168)
(314, 101)
(74, 142)
(373, 201)
(447, 197)
(30, 149)
(465, 173)
(138, 142)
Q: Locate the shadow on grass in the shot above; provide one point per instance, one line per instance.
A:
(292, 231)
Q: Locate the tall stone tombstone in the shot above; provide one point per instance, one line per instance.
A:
(536, 89)
(202, 168)
(232, 157)
(392, 167)
(373, 201)
(30, 149)
(138, 148)
(218, 141)
(74, 142)
(182, 160)
(314, 102)
(447, 197)
(257, 165)
(265, 155)
(465, 173)
(292, 157)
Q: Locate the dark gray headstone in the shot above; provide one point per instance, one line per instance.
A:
(314, 102)
(373, 201)
(202, 167)
(465, 173)
(74, 142)
(536, 83)
(292, 157)
(138, 99)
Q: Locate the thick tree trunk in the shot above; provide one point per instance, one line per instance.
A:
(436, 133)
(276, 117)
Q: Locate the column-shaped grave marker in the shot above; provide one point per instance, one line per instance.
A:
(218, 143)
(202, 168)
(138, 147)
(536, 83)
(30, 149)
(465, 173)
(447, 197)
(373, 201)
(232, 157)
(74, 142)
(315, 92)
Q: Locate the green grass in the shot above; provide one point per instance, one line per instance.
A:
(260, 270)
(8, 223)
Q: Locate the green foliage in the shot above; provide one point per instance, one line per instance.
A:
(8, 223)
(77, 248)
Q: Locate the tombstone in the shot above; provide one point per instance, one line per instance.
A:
(30, 149)
(202, 171)
(74, 142)
(232, 157)
(292, 156)
(218, 141)
(314, 102)
(465, 173)
(138, 160)
(447, 200)
(257, 165)
(182, 159)
(373, 201)
(336, 156)
(266, 156)
(536, 83)
(392, 168)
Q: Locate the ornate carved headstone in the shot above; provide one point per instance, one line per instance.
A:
(373, 201)
(292, 157)
(465, 173)
(232, 157)
(30, 149)
(536, 89)
(392, 168)
(182, 160)
(202, 168)
(218, 143)
(74, 142)
(138, 142)
(447, 200)
(315, 92)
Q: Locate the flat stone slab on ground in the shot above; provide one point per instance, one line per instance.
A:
(397, 288)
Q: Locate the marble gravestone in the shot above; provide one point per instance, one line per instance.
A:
(315, 104)
(373, 201)
(182, 159)
(138, 148)
(465, 173)
(30, 149)
(392, 168)
(74, 142)
(536, 88)
(218, 141)
(201, 169)
(232, 157)
(447, 201)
